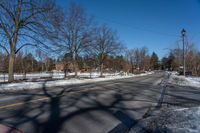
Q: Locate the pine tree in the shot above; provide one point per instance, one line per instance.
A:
(154, 62)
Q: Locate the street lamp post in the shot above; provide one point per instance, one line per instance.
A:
(183, 33)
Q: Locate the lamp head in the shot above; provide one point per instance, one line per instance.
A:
(183, 32)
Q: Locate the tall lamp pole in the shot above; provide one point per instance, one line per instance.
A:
(183, 33)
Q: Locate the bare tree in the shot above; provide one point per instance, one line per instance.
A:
(138, 58)
(143, 58)
(105, 43)
(191, 57)
(131, 58)
(23, 23)
(66, 62)
(91, 62)
(74, 33)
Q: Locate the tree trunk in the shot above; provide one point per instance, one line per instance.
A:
(65, 70)
(101, 70)
(32, 65)
(24, 76)
(75, 65)
(65, 73)
(132, 67)
(42, 67)
(90, 73)
(75, 68)
(11, 67)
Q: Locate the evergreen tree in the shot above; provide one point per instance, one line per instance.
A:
(154, 62)
(168, 62)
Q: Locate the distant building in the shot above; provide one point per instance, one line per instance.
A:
(70, 67)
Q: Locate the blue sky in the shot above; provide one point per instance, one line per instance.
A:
(155, 24)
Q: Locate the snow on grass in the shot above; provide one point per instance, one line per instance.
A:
(31, 76)
(62, 82)
(54, 75)
(172, 120)
(184, 81)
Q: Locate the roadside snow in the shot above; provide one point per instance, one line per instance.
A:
(54, 75)
(184, 81)
(40, 84)
(171, 120)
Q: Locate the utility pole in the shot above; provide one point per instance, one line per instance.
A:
(183, 32)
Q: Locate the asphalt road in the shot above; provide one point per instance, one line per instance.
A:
(104, 107)
(181, 96)
(177, 112)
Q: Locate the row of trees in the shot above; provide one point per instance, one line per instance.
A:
(139, 59)
(77, 35)
(174, 60)
(47, 27)
(44, 25)
(26, 62)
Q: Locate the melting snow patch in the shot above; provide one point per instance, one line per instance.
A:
(184, 81)
(40, 84)
(171, 120)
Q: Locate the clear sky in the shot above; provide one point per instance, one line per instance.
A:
(155, 24)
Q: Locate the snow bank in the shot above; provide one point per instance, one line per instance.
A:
(184, 81)
(40, 84)
(171, 120)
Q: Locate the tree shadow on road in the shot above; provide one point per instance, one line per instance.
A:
(61, 107)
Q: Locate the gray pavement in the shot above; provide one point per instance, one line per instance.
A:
(111, 106)
(178, 112)
(181, 96)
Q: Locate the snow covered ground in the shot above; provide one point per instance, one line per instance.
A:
(171, 120)
(62, 82)
(54, 75)
(184, 81)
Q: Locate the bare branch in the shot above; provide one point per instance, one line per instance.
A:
(4, 49)
(12, 16)
(26, 44)
(5, 29)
